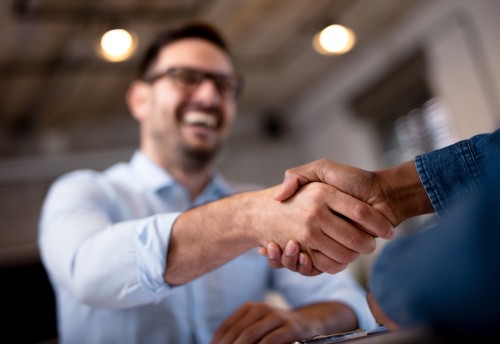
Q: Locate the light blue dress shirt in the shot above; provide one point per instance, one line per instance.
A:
(103, 239)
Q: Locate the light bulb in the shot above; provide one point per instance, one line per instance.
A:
(334, 39)
(117, 45)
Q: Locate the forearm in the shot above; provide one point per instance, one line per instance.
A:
(208, 236)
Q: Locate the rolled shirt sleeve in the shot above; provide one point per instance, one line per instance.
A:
(102, 262)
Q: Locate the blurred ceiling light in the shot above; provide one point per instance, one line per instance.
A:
(334, 40)
(117, 45)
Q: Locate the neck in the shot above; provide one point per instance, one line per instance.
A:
(193, 174)
(194, 180)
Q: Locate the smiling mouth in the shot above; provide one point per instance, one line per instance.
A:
(200, 119)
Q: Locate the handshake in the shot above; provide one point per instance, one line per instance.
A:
(339, 211)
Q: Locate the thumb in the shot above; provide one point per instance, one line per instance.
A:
(288, 188)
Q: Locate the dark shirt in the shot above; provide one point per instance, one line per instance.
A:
(446, 275)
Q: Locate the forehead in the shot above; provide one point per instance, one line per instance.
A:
(195, 53)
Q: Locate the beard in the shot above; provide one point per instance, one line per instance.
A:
(194, 160)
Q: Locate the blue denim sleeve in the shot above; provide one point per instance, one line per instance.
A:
(452, 172)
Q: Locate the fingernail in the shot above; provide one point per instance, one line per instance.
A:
(271, 252)
(391, 234)
(290, 249)
(302, 259)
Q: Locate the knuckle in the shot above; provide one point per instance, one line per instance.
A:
(362, 243)
(347, 256)
(311, 218)
(371, 246)
(360, 210)
(290, 172)
(355, 243)
(321, 162)
(331, 268)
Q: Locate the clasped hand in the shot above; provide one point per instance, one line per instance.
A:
(357, 213)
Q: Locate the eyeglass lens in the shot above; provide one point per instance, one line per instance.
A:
(189, 79)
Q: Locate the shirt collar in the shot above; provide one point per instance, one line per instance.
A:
(156, 178)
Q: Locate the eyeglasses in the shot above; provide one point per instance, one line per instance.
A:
(189, 78)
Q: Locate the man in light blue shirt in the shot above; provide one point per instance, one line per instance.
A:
(162, 249)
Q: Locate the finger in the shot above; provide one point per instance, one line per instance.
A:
(274, 255)
(350, 235)
(234, 324)
(259, 329)
(288, 187)
(315, 171)
(253, 321)
(330, 256)
(295, 260)
(302, 264)
(360, 212)
(337, 237)
(290, 258)
(281, 334)
(323, 263)
(305, 266)
(269, 330)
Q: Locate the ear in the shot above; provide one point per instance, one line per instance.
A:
(138, 99)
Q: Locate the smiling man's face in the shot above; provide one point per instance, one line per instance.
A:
(183, 119)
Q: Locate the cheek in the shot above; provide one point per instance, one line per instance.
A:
(166, 97)
(166, 106)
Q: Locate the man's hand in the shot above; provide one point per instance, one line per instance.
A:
(292, 258)
(333, 228)
(396, 193)
(260, 323)
(263, 323)
(361, 184)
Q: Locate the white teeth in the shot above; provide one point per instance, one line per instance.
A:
(200, 118)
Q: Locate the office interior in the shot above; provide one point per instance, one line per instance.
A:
(422, 74)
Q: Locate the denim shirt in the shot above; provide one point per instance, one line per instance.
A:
(452, 172)
(447, 276)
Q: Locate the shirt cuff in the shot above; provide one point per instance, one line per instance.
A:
(151, 242)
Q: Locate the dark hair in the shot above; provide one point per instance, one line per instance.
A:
(191, 30)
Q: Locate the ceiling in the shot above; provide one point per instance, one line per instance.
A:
(57, 94)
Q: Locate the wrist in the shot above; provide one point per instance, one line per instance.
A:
(259, 216)
(403, 192)
(241, 212)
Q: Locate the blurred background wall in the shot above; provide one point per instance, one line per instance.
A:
(432, 79)
(423, 74)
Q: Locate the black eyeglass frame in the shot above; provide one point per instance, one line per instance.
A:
(220, 80)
